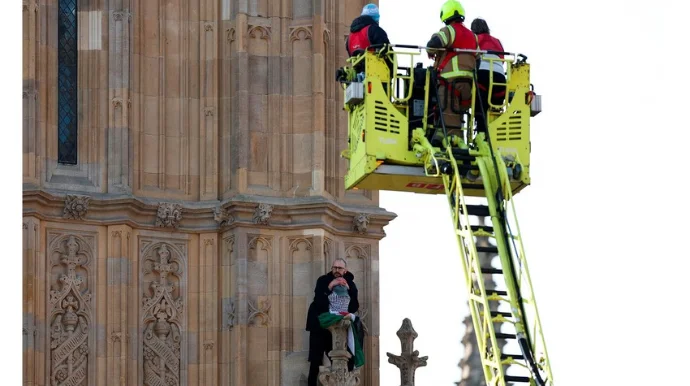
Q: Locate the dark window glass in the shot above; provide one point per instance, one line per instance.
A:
(67, 82)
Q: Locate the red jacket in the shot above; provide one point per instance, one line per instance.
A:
(358, 41)
(489, 43)
(463, 39)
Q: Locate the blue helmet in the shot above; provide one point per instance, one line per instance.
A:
(371, 10)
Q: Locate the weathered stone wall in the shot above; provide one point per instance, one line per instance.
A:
(184, 245)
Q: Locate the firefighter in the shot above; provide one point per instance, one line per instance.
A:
(455, 68)
(498, 92)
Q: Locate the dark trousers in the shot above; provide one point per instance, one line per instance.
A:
(497, 97)
(320, 342)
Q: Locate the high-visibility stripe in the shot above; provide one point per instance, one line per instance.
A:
(456, 72)
(444, 38)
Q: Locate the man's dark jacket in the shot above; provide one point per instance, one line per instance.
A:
(320, 303)
(376, 34)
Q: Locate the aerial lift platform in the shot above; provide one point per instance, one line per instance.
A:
(398, 141)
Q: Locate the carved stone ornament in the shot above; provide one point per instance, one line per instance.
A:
(117, 102)
(162, 307)
(230, 313)
(338, 374)
(169, 215)
(76, 207)
(29, 330)
(116, 336)
(70, 303)
(260, 312)
(222, 217)
(327, 248)
(360, 223)
(259, 32)
(300, 33)
(263, 213)
(230, 35)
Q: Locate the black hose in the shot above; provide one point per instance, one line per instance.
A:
(523, 343)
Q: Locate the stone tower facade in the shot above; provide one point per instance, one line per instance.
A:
(183, 190)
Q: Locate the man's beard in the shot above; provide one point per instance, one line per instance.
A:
(337, 274)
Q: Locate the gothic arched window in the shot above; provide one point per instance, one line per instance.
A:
(67, 82)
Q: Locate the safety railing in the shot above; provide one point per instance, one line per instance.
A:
(402, 78)
(507, 62)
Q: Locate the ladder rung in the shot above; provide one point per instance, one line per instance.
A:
(485, 228)
(495, 271)
(487, 249)
(477, 210)
(503, 335)
(514, 356)
(499, 313)
(513, 378)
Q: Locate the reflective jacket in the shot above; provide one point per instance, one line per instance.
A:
(453, 64)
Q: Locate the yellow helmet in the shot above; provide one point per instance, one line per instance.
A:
(452, 9)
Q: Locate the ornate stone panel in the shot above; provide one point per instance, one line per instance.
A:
(71, 315)
(163, 267)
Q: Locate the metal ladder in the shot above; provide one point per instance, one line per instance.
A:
(528, 362)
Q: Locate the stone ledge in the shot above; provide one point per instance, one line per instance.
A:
(240, 210)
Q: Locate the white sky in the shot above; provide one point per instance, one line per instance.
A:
(605, 218)
(608, 164)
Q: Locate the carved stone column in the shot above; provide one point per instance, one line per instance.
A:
(409, 359)
(338, 375)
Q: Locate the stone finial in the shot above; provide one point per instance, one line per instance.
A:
(338, 375)
(75, 207)
(360, 223)
(409, 360)
(169, 215)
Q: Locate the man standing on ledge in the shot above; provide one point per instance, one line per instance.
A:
(320, 341)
